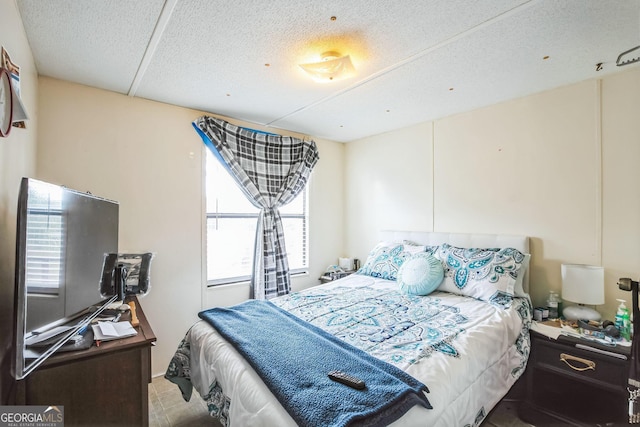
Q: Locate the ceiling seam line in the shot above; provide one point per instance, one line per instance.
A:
(411, 58)
(156, 35)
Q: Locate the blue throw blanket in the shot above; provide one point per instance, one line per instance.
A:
(294, 357)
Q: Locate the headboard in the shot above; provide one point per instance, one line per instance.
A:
(463, 240)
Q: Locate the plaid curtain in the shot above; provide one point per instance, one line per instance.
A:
(271, 170)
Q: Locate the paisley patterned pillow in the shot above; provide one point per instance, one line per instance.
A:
(487, 274)
(386, 258)
(420, 275)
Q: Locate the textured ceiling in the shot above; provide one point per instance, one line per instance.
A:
(416, 60)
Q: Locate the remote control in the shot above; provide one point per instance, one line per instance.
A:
(347, 380)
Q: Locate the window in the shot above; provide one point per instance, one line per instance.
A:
(45, 242)
(231, 228)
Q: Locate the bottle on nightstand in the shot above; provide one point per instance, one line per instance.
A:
(552, 305)
(623, 322)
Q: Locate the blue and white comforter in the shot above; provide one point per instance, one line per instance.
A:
(468, 352)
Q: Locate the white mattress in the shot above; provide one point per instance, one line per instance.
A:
(492, 350)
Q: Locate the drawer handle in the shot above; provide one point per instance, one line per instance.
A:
(588, 364)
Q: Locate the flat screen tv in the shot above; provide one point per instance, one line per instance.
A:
(62, 240)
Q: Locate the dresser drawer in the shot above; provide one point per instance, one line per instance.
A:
(574, 385)
(604, 371)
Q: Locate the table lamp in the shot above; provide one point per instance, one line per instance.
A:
(582, 284)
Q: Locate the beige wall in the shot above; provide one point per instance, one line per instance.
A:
(17, 159)
(147, 156)
(531, 167)
(389, 186)
(621, 180)
(545, 165)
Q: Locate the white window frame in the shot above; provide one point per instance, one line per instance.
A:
(44, 241)
(304, 216)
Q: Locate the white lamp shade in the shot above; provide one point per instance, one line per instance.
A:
(583, 284)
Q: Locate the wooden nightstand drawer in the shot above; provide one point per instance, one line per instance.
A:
(604, 371)
(574, 385)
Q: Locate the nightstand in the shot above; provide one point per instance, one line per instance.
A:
(330, 277)
(571, 380)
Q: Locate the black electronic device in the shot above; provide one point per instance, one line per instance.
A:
(126, 274)
(108, 285)
(626, 284)
(347, 380)
(62, 237)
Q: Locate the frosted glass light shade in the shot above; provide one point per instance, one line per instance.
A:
(583, 284)
(332, 67)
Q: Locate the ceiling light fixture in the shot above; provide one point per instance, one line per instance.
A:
(331, 67)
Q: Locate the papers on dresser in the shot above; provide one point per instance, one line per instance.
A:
(551, 330)
(106, 331)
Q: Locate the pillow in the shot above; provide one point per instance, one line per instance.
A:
(386, 258)
(519, 288)
(421, 274)
(487, 274)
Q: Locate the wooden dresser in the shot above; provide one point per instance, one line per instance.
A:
(105, 385)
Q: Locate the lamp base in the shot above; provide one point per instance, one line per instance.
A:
(576, 312)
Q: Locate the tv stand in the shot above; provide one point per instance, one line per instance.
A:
(98, 386)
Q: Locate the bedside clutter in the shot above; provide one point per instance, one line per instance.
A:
(345, 267)
(335, 275)
(604, 333)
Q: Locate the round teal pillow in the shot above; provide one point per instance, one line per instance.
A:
(420, 275)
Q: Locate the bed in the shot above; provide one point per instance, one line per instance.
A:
(467, 341)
